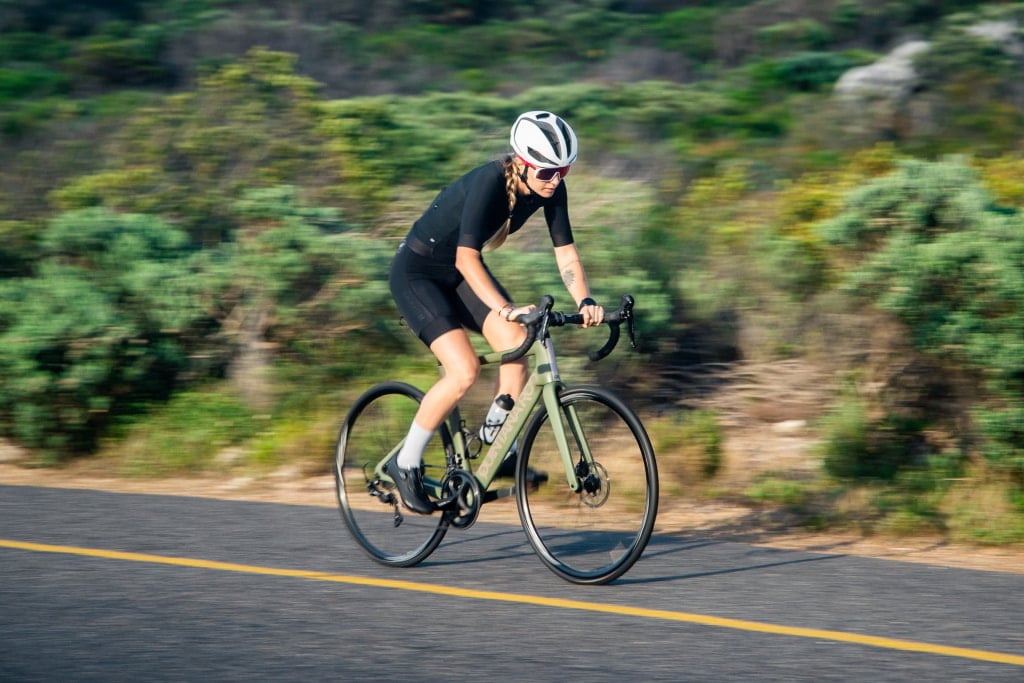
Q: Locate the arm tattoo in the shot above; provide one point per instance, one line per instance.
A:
(569, 277)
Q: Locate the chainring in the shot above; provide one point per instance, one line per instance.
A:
(464, 491)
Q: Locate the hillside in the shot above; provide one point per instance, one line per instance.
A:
(817, 205)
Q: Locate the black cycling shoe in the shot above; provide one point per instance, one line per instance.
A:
(410, 488)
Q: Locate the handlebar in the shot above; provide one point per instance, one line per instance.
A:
(541, 318)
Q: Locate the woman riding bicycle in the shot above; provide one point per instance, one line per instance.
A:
(443, 287)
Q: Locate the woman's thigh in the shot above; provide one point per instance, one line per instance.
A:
(428, 301)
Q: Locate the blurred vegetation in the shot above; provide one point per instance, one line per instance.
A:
(199, 199)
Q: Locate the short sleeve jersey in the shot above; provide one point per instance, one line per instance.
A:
(472, 209)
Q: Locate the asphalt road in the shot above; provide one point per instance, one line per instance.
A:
(109, 587)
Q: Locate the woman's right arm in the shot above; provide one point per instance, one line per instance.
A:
(471, 266)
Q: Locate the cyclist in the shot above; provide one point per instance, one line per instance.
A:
(443, 287)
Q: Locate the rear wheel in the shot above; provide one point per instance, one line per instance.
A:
(595, 534)
(374, 428)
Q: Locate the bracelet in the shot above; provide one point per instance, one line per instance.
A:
(505, 313)
(587, 301)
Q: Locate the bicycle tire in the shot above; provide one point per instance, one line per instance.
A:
(370, 507)
(594, 536)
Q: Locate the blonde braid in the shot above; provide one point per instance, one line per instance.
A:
(511, 183)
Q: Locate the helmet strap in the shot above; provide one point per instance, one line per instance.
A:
(522, 176)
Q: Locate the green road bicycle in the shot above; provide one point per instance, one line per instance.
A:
(589, 517)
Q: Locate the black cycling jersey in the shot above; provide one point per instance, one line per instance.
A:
(472, 209)
(431, 294)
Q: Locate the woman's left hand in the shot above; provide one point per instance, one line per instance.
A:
(592, 313)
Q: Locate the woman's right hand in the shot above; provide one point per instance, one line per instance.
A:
(518, 311)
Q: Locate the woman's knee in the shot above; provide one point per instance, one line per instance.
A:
(501, 335)
(458, 358)
(462, 375)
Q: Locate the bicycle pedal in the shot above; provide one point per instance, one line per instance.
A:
(446, 503)
(494, 494)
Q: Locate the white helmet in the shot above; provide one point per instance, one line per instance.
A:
(544, 140)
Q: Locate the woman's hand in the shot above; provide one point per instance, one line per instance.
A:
(591, 312)
(512, 314)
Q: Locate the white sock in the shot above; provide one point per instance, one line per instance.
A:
(411, 455)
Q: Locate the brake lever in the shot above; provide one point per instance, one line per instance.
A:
(627, 313)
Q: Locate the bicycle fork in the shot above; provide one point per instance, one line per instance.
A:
(566, 423)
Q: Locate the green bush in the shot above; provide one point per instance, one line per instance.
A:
(800, 33)
(689, 446)
(932, 251)
(1005, 428)
(29, 47)
(689, 31)
(122, 54)
(97, 327)
(808, 71)
(16, 84)
(794, 496)
(856, 446)
(185, 435)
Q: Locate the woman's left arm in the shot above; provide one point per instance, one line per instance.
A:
(571, 269)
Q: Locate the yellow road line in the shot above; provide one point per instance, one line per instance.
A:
(536, 600)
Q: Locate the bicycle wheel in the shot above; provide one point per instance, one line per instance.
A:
(375, 427)
(595, 535)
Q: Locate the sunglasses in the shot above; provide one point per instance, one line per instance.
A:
(547, 175)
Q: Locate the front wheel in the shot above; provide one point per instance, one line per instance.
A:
(592, 535)
(373, 430)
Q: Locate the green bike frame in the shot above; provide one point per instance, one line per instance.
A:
(544, 384)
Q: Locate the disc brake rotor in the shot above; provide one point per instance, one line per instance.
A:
(596, 486)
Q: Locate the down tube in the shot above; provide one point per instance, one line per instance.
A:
(554, 408)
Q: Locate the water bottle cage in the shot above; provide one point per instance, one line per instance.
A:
(490, 427)
(474, 444)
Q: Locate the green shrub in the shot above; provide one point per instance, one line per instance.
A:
(932, 251)
(97, 327)
(844, 434)
(25, 47)
(16, 84)
(705, 434)
(1004, 427)
(689, 445)
(912, 504)
(121, 54)
(799, 33)
(858, 447)
(186, 434)
(808, 71)
(689, 31)
(794, 496)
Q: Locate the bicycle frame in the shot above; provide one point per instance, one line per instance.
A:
(543, 384)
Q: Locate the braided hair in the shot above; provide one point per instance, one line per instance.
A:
(512, 173)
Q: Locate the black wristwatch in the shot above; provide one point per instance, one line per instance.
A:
(587, 301)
